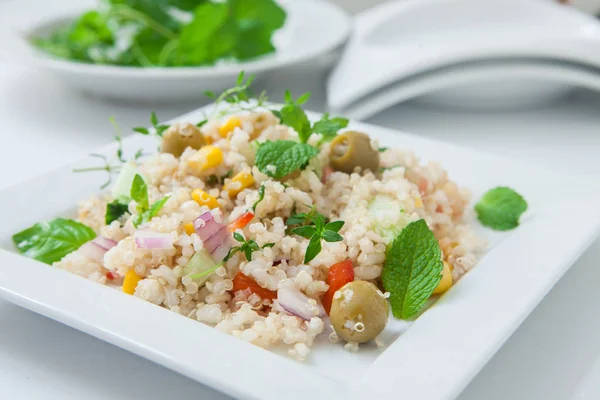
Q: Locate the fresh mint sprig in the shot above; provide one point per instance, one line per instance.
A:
(412, 269)
(501, 208)
(279, 158)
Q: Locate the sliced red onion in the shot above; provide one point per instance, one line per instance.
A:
(297, 303)
(145, 239)
(216, 240)
(206, 226)
(93, 251)
(221, 252)
(105, 242)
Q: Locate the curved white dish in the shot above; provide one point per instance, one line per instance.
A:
(399, 40)
(296, 42)
(499, 84)
(433, 360)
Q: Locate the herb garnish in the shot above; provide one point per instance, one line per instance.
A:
(49, 242)
(247, 247)
(501, 208)
(171, 33)
(282, 157)
(412, 269)
(139, 193)
(261, 196)
(315, 230)
(159, 129)
(116, 209)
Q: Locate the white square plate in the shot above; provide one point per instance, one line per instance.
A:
(433, 360)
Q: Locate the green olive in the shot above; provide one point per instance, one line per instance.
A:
(181, 136)
(353, 149)
(359, 312)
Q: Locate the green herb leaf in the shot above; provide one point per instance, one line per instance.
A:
(304, 231)
(412, 269)
(295, 117)
(501, 208)
(237, 236)
(142, 130)
(296, 219)
(157, 206)
(49, 242)
(331, 236)
(334, 226)
(115, 210)
(285, 155)
(261, 196)
(329, 127)
(313, 249)
(139, 192)
(319, 221)
(268, 245)
(382, 149)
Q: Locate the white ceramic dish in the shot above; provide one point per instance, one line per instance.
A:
(433, 360)
(499, 84)
(399, 40)
(296, 42)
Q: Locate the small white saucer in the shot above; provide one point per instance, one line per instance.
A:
(409, 42)
(298, 41)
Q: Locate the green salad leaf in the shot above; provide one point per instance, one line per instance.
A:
(115, 210)
(412, 269)
(282, 157)
(501, 208)
(49, 242)
(167, 33)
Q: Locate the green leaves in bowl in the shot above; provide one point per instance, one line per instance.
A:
(167, 33)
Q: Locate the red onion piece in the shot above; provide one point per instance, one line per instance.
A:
(104, 242)
(216, 240)
(145, 239)
(297, 303)
(93, 251)
(221, 252)
(206, 226)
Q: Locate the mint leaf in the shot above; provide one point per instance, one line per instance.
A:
(139, 192)
(334, 226)
(295, 117)
(116, 210)
(412, 269)
(329, 127)
(285, 156)
(49, 242)
(501, 208)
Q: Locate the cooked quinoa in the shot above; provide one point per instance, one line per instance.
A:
(423, 191)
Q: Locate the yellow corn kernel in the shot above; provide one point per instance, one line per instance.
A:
(205, 158)
(189, 228)
(130, 282)
(418, 202)
(204, 199)
(446, 281)
(238, 183)
(229, 126)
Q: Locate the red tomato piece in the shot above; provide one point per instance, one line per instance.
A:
(241, 221)
(243, 282)
(339, 274)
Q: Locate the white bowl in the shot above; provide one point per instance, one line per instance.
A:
(399, 41)
(296, 42)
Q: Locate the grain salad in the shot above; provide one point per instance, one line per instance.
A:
(272, 228)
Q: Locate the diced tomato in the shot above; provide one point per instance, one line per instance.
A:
(111, 275)
(339, 274)
(241, 221)
(243, 282)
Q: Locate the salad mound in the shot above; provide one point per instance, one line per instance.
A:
(271, 226)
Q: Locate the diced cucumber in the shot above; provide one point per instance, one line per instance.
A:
(122, 187)
(199, 263)
(388, 216)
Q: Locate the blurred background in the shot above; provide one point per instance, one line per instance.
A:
(520, 78)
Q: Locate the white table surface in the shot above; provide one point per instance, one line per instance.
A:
(555, 354)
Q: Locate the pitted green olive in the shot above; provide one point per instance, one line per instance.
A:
(359, 312)
(181, 136)
(353, 149)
